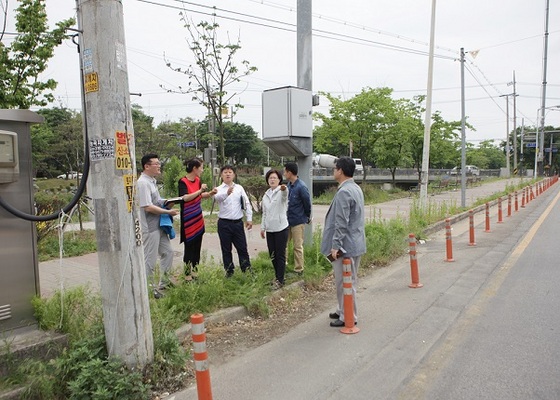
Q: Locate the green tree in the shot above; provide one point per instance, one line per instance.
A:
(212, 72)
(175, 137)
(27, 57)
(57, 144)
(145, 138)
(242, 144)
(361, 120)
(393, 149)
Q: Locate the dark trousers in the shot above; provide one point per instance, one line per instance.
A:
(232, 232)
(191, 254)
(276, 242)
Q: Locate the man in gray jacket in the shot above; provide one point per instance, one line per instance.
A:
(344, 234)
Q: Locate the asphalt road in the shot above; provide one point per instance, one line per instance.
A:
(483, 326)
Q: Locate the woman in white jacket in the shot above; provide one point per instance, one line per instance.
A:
(274, 224)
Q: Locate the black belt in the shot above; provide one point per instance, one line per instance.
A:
(231, 220)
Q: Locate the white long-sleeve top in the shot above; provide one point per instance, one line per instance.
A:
(230, 205)
(275, 208)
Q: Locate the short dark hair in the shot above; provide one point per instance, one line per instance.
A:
(291, 167)
(193, 163)
(347, 165)
(273, 171)
(146, 159)
(227, 166)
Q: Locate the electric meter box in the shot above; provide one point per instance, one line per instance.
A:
(287, 111)
(19, 273)
(9, 158)
(287, 120)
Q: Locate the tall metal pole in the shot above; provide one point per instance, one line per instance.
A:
(508, 171)
(424, 177)
(126, 311)
(514, 125)
(305, 81)
(543, 93)
(463, 136)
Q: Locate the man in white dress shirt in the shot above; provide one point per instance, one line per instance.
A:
(233, 202)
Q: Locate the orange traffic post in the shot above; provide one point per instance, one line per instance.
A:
(523, 198)
(500, 210)
(413, 263)
(448, 242)
(471, 228)
(516, 203)
(349, 326)
(201, 365)
(509, 205)
(487, 218)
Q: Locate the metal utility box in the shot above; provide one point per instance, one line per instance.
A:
(287, 120)
(19, 280)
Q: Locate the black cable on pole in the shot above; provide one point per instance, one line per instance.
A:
(81, 187)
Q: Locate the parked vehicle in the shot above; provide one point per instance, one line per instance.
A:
(70, 175)
(359, 165)
(469, 170)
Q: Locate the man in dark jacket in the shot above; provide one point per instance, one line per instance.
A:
(299, 212)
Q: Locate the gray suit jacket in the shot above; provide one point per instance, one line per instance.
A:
(344, 222)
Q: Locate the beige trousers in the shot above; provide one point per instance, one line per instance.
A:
(296, 234)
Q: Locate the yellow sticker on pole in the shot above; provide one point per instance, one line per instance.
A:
(122, 155)
(128, 181)
(91, 82)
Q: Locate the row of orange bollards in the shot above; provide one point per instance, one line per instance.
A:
(527, 195)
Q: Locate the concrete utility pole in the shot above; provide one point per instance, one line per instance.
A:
(126, 311)
(305, 81)
(514, 125)
(424, 175)
(543, 92)
(463, 135)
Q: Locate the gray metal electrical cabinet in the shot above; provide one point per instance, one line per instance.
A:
(288, 121)
(19, 278)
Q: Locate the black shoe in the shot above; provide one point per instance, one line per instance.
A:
(157, 294)
(339, 324)
(229, 273)
(334, 315)
(276, 284)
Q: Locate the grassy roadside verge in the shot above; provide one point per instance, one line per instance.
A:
(85, 368)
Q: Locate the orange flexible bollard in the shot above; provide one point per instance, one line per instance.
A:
(516, 203)
(471, 228)
(448, 242)
(201, 365)
(509, 205)
(413, 263)
(523, 198)
(500, 210)
(532, 193)
(487, 218)
(348, 305)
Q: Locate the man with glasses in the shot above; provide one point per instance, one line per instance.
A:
(344, 234)
(155, 240)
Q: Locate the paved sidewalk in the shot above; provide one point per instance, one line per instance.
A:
(82, 270)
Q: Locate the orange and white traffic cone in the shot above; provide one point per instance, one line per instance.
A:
(471, 228)
(448, 242)
(201, 365)
(349, 326)
(413, 263)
